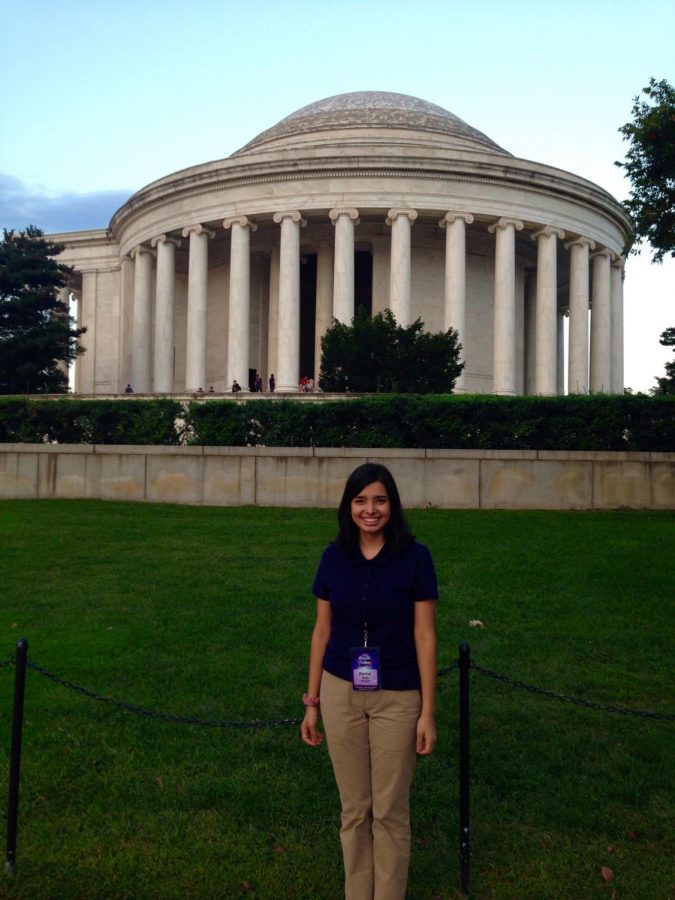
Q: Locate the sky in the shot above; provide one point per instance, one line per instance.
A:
(102, 98)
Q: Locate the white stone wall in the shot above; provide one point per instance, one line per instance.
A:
(314, 477)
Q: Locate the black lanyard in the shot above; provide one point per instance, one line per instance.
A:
(368, 588)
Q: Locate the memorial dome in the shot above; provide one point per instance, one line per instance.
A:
(372, 200)
(370, 110)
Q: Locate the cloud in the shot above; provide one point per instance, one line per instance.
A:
(21, 206)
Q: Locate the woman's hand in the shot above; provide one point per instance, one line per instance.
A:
(309, 729)
(426, 734)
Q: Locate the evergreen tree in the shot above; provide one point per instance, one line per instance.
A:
(650, 166)
(666, 385)
(377, 354)
(36, 330)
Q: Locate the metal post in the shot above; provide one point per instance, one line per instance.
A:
(464, 814)
(15, 757)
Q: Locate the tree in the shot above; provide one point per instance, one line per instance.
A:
(666, 385)
(37, 333)
(650, 166)
(377, 354)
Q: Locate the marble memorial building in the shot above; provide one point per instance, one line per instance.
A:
(365, 199)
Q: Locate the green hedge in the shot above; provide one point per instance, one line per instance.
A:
(89, 421)
(593, 422)
(463, 422)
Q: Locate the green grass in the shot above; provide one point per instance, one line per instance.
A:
(206, 612)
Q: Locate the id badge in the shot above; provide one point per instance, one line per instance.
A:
(365, 668)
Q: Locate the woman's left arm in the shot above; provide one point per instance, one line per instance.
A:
(425, 644)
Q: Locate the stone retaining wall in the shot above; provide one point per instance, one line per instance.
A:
(313, 476)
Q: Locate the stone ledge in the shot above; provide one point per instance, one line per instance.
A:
(596, 455)
(314, 477)
(147, 449)
(340, 452)
(481, 454)
(46, 448)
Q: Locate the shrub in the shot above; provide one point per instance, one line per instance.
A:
(595, 422)
(89, 421)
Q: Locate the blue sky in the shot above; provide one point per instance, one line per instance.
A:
(101, 98)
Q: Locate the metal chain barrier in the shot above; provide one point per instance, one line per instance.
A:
(463, 664)
(447, 669)
(590, 704)
(275, 723)
(152, 714)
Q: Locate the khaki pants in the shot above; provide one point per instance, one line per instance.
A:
(371, 740)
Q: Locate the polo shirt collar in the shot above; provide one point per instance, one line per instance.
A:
(381, 559)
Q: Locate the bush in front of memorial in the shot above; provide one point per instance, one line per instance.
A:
(635, 423)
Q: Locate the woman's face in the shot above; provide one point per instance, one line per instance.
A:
(371, 509)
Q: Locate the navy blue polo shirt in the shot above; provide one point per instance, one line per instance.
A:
(384, 591)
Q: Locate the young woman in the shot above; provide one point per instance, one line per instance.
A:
(372, 671)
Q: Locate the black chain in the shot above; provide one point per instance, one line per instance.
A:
(447, 669)
(152, 714)
(275, 723)
(591, 704)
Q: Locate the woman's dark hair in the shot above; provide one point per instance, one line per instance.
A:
(396, 532)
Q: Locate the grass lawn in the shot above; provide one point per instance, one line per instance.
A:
(206, 612)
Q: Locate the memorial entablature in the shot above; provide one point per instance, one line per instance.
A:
(369, 199)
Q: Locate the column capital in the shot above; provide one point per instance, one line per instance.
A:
(141, 249)
(581, 242)
(335, 213)
(605, 251)
(165, 239)
(619, 262)
(198, 229)
(504, 222)
(451, 217)
(243, 221)
(394, 213)
(547, 231)
(293, 214)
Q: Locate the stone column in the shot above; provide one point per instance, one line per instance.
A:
(546, 381)
(530, 317)
(560, 353)
(126, 323)
(64, 298)
(455, 279)
(79, 319)
(601, 338)
(344, 221)
(288, 346)
(577, 361)
(616, 316)
(504, 357)
(324, 300)
(273, 316)
(165, 301)
(399, 279)
(198, 278)
(238, 333)
(141, 340)
(87, 363)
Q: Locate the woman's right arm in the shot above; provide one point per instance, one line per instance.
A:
(320, 635)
